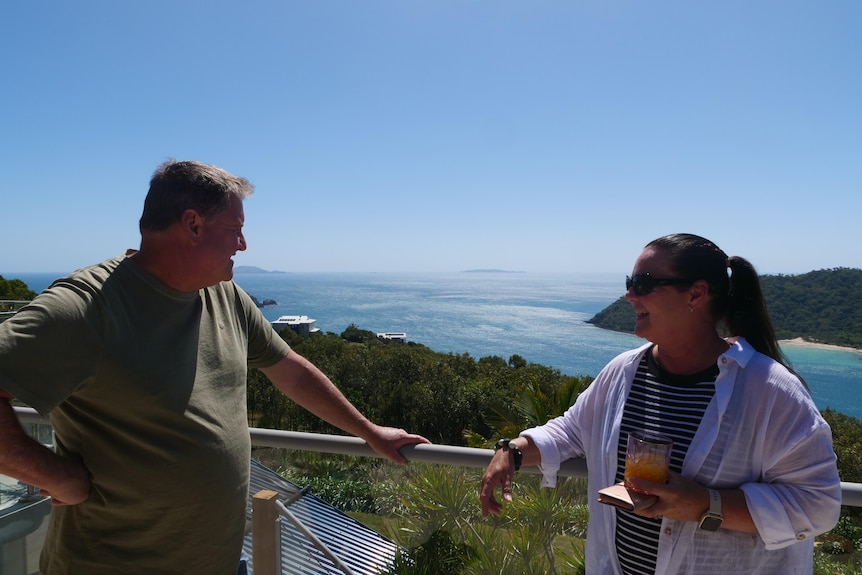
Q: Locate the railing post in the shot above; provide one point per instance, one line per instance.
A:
(266, 533)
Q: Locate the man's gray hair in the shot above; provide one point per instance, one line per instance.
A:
(179, 186)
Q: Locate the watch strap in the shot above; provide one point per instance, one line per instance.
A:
(714, 502)
(506, 445)
(712, 519)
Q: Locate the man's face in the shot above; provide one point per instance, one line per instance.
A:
(220, 239)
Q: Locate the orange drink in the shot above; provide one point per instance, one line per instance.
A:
(647, 456)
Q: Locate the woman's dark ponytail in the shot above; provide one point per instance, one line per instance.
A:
(745, 312)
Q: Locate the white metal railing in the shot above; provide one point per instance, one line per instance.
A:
(346, 445)
(851, 493)
(9, 307)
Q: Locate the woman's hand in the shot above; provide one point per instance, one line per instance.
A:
(680, 498)
(499, 472)
(684, 499)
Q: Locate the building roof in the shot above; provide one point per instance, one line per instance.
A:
(363, 550)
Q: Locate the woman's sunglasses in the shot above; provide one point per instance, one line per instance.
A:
(643, 284)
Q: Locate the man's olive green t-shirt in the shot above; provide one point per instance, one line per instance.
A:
(148, 386)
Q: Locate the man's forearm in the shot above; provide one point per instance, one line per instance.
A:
(303, 383)
(21, 456)
(65, 479)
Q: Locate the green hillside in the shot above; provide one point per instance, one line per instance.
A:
(821, 306)
(12, 294)
(15, 289)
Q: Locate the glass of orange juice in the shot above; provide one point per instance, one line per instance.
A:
(647, 456)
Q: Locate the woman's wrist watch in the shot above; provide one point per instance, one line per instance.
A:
(712, 519)
(505, 445)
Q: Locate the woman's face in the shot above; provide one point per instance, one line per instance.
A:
(659, 314)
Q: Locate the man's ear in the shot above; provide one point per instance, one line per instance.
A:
(191, 222)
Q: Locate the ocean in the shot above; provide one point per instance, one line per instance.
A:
(541, 317)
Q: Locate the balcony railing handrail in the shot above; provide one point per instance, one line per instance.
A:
(349, 445)
(851, 493)
(11, 306)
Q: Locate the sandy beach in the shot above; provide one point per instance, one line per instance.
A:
(802, 343)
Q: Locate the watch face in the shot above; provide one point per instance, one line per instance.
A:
(709, 523)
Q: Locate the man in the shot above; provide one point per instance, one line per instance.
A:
(141, 362)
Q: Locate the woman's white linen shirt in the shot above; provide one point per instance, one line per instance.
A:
(761, 433)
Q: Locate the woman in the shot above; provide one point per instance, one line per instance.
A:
(753, 475)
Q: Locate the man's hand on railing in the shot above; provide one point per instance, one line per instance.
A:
(388, 440)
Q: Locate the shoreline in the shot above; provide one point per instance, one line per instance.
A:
(799, 342)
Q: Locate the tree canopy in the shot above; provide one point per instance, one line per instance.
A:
(15, 289)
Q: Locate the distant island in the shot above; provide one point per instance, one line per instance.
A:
(253, 270)
(256, 270)
(491, 271)
(264, 303)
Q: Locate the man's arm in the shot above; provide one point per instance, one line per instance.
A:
(65, 479)
(304, 383)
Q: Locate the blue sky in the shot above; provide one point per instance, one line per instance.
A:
(440, 135)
